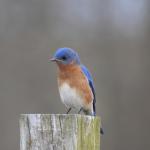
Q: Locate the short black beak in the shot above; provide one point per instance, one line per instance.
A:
(55, 59)
(52, 59)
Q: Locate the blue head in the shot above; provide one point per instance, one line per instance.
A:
(66, 56)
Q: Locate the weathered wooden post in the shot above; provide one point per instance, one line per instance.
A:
(59, 132)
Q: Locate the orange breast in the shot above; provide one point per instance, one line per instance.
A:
(73, 75)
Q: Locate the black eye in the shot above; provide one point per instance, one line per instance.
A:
(64, 58)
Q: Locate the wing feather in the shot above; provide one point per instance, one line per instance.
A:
(91, 84)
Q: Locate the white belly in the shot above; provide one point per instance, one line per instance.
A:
(70, 96)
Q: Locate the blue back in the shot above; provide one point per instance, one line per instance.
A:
(91, 84)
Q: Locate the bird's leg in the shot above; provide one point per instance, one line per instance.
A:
(80, 110)
(68, 110)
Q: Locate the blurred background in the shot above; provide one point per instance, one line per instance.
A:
(113, 40)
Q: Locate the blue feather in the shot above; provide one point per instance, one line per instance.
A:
(91, 84)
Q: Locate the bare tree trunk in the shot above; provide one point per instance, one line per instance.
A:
(59, 132)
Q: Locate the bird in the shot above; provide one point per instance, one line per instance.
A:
(75, 82)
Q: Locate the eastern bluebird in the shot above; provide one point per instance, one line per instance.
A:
(75, 82)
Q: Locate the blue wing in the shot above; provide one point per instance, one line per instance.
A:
(91, 84)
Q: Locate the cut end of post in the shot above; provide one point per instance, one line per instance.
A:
(59, 131)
